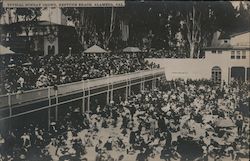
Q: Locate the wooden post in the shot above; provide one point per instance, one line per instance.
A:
(142, 84)
(56, 108)
(83, 97)
(129, 87)
(112, 93)
(153, 82)
(9, 103)
(49, 107)
(108, 95)
(88, 106)
(245, 74)
(127, 90)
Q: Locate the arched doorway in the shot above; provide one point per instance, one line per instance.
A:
(248, 74)
(216, 74)
(238, 73)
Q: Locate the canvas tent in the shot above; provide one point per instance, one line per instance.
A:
(131, 50)
(95, 50)
(5, 51)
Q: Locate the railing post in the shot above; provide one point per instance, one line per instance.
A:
(108, 95)
(88, 107)
(153, 82)
(9, 104)
(142, 83)
(111, 93)
(127, 88)
(56, 108)
(49, 107)
(83, 97)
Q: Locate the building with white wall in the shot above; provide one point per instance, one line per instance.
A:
(227, 59)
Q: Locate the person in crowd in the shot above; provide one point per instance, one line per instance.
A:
(58, 69)
(2, 142)
(170, 122)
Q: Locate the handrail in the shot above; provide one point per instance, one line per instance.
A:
(42, 93)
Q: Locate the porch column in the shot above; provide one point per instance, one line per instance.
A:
(245, 74)
(229, 75)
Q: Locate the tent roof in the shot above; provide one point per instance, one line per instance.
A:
(131, 50)
(95, 49)
(5, 51)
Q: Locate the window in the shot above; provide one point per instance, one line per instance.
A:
(232, 54)
(243, 56)
(219, 51)
(213, 51)
(238, 55)
(216, 74)
(225, 41)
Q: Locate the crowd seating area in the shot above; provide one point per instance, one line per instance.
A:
(37, 72)
(192, 120)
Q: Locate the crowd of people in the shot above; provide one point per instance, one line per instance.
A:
(163, 53)
(179, 120)
(54, 70)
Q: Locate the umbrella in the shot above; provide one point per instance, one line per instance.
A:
(226, 122)
(53, 123)
(11, 66)
(27, 64)
(131, 50)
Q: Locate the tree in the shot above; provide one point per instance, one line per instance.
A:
(202, 19)
(111, 28)
(243, 14)
(89, 24)
(193, 19)
(2, 10)
(29, 17)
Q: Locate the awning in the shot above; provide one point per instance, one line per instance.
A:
(5, 51)
(95, 49)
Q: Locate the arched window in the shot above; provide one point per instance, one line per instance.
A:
(49, 50)
(53, 50)
(216, 74)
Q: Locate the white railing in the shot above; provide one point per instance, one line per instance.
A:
(44, 93)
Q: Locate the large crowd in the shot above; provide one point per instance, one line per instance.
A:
(179, 120)
(163, 53)
(175, 53)
(36, 72)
